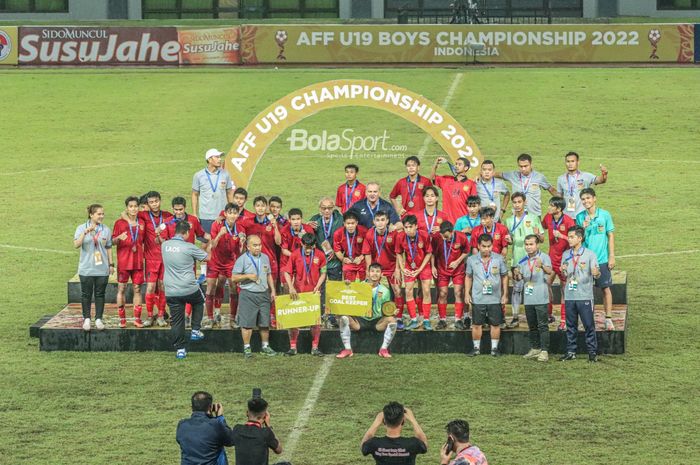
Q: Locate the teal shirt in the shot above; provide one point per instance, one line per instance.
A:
(596, 238)
(467, 222)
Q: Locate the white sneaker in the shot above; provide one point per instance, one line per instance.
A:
(99, 325)
(543, 357)
(86, 324)
(533, 353)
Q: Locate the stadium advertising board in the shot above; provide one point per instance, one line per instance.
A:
(94, 46)
(305, 311)
(256, 137)
(8, 45)
(354, 299)
(216, 46)
(581, 43)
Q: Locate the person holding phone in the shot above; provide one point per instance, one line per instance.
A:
(458, 443)
(204, 436)
(394, 449)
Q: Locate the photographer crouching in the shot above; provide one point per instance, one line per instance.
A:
(203, 436)
(254, 438)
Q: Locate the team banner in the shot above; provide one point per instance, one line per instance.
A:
(217, 46)
(300, 313)
(248, 149)
(354, 299)
(546, 43)
(94, 46)
(8, 45)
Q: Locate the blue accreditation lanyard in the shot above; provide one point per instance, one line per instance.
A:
(350, 240)
(256, 265)
(493, 188)
(215, 185)
(307, 266)
(432, 223)
(376, 244)
(487, 268)
(327, 230)
(372, 212)
(517, 225)
(476, 222)
(445, 251)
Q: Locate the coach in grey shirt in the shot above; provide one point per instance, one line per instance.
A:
(486, 285)
(580, 266)
(253, 273)
(529, 182)
(212, 189)
(179, 258)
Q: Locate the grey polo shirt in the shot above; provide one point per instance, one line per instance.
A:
(250, 264)
(179, 257)
(495, 269)
(537, 278)
(212, 192)
(585, 260)
(570, 188)
(530, 186)
(87, 265)
(490, 193)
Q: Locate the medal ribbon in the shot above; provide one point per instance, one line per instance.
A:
(327, 230)
(96, 233)
(153, 222)
(215, 185)
(230, 232)
(376, 244)
(575, 260)
(411, 250)
(445, 252)
(350, 240)
(526, 186)
(134, 236)
(412, 192)
(372, 212)
(432, 223)
(572, 188)
(487, 268)
(307, 266)
(532, 266)
(256, 265)
(348, 196)
(516, 225)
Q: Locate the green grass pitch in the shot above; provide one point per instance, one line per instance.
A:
(70, 138)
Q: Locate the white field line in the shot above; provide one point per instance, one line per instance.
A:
(305, 413)
(445, 103)
(104, 165)
(34, 249)
(659, 254)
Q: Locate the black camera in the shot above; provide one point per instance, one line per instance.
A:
(257, 393)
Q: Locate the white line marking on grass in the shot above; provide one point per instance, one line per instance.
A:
(651, 160)
(445, 103)
(105, 165)
(677, 252)
(34, 249)
(291, 444)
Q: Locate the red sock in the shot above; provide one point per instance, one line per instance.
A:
(442, 311)
(293, 335)
(161, 303)
(233, 301)
(122, 313)
(137, 312)
(273, 310)
(419, 302)
(209, 304)
(426, 310)
(188, 309)
(459, 310)
(399, 301)
(218, 296)
(549, 309)
(316, 336)
(411, 306)
(150, 300)
(563, 313)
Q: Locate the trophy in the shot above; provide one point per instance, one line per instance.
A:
(654, 38)
(281, 39)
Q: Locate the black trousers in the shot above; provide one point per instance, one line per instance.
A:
(88, 285)
(177, 315)
(538, 324)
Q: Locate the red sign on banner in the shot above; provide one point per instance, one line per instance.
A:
(94, 46)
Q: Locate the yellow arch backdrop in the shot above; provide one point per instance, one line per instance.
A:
(251, 144)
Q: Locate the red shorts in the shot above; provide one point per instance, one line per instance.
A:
(215, 270)
(390, 277)
(154, 271)
(427, 273)
(136, 276)
(354, 273)
(443, 279)
(557, 271)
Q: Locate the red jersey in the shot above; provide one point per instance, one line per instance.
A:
(350, 245)
(427, 222)
(292, 240)
(448, 251)
(498, 233)
(152, 224)
(196, 229)
(305, 270)
(127, 258)
(454, 195)
(381, 247)
(228, 249)
(411, 193)
(414, 249)
(266, 232)
(557, 246)
(347, 195)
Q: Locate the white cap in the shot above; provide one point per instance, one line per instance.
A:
(212, 153)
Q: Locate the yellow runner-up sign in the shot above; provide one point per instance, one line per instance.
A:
(354, 299)
(300, 313)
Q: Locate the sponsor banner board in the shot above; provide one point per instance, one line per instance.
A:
(8, 45)
(216, 46)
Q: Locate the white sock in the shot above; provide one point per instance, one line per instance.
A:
(203, 269)
(389, 335)
(477, 345)
(265, 344)
(494, 344)
(246, 346)
(515, 300)
(344, 325)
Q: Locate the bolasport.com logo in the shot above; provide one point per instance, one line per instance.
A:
(5, 45)
(346, 144)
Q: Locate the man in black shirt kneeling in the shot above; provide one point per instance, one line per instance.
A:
(393, 449)
(253, 439)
